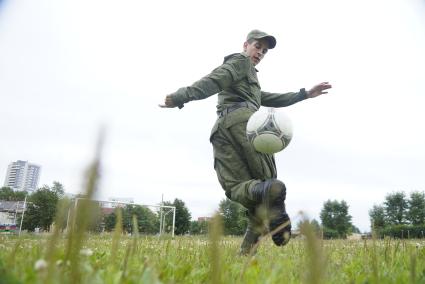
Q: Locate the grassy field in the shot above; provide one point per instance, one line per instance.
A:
(141, 259)
(78, 257)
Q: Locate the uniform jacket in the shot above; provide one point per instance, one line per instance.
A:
(235, 81)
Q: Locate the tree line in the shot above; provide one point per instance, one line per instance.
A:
(42, 205)
(41, 209)
(398, 216)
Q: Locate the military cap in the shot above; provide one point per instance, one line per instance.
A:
(257, 34)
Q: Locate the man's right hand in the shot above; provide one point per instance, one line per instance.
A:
(168, 102)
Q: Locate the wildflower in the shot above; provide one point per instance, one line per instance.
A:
(86, 252)
(40, 264)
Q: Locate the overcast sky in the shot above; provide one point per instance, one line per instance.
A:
(69, 67)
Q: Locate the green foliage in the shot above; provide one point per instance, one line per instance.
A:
(335, 219)
(147, 221)
(416, 208)
(331, 234)
(234, 217)
(41, 207)
(110, 221)
(403, 231)
(377, 217)
(8, 194)
(198, 227)
(354, 230)
(387, 219)
(58, 188)
(395, 208)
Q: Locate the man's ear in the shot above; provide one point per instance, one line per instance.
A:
(245, 45)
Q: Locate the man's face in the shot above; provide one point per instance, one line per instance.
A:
(256, 50)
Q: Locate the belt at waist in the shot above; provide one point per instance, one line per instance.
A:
(236, 106)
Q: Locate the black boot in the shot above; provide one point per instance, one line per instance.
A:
(272, 194)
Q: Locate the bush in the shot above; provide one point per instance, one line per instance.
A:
(331, 234)
(402, 231)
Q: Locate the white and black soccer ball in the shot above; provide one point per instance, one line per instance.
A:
(269, 131)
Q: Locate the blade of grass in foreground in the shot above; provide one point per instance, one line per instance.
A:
(215, 234)
(116, 239)
(52, 246)
(413, 267)
(130, 248)
(316, 264)
(81, 216)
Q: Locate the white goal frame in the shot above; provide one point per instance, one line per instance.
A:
(169, 209)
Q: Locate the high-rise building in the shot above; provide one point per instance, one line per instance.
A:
(22, 175)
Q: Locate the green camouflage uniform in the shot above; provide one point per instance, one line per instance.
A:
(238, 166)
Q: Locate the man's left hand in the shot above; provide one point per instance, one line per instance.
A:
(318, 90)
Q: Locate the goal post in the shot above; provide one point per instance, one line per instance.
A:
(161, 210)
(163, 215)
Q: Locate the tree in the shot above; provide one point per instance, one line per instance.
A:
(8, 194)
(194, 228)
(377, 217)
(416, 208)
(147, 221)
(234, 217)
(395, 208)
(110, 220)
(354, 230)
(198, 227)
(313, 224)
(335, 219)
(183, 216)
(58, 188)
(41, 207)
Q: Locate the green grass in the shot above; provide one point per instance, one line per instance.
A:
(145, 259)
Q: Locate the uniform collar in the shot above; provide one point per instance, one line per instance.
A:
(234, 54)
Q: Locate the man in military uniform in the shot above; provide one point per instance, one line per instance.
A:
(247, 176)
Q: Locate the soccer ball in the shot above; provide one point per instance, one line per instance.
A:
(269, 131)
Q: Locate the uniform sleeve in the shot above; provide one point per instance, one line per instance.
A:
(282, 99)
(219, 79)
